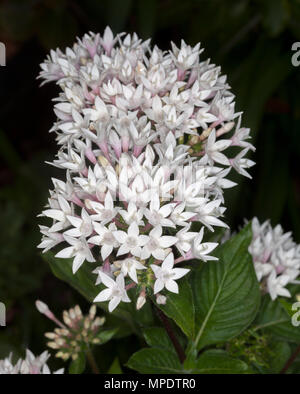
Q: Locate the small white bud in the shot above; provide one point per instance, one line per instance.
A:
(161, 299)
(140, 302)
(42, 307)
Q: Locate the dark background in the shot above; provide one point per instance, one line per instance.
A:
(252, 42)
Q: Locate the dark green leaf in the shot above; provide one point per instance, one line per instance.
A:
(274, 318)
(226, 292)
(106, 335)
(157, 337)
(115, 367)
(180, 308)
(155, 360)
(219, 362)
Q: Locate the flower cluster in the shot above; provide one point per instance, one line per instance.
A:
(75, 334)
(276, 258)
(139, 134)
(30, 365)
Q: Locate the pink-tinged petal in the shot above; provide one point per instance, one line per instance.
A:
(104, 295)
(158, 286)
(65, 253)
(172, 286)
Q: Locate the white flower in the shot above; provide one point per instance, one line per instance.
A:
(142, 136)
(83, 227)
(132, 214)
(105, 238)
(239, 163)
(129, 267)
(157, 244)
(185, 239)
(201, 250)
(79, 249)
(157, 215)
(59, 213)
(30, 365)
(276, 285)
(104, 213)
(214, 148)
(166, 275)
(179, 216)
(115, 292)
(132, 241)
(276, 258)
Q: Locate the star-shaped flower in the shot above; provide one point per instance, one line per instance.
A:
(166, 275)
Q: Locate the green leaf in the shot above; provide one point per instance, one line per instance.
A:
(78, 366)
(219, 362)
(274, 318)
(106, 335)
(115, 367)
(84, 282)
(281, 352)
(155, 360)
(226, 292)
(157, 337)
(180, 308)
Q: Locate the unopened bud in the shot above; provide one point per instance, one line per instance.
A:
(50, 335)
(41, 307)
(161, 299)
(140, 302)
(103, 161)
(92, 312)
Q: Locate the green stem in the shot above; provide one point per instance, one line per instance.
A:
(92, 362)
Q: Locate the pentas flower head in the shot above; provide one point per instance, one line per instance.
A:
(76, 333)
(276, 258)
(30, 365)
(142, 136)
